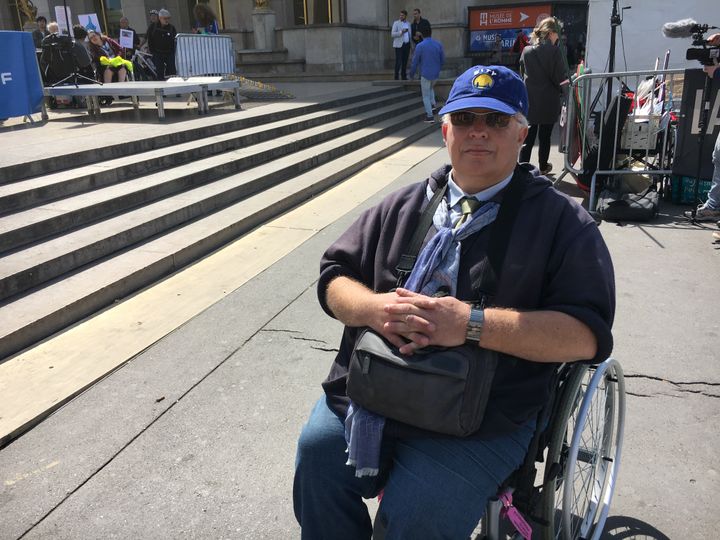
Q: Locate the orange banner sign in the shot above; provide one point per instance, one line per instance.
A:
(509, 17)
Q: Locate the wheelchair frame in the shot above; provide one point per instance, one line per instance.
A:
(581, 447)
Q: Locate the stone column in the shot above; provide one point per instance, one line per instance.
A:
(136, 13)
(263, 26)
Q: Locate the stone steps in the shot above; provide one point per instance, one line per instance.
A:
(35, 191)
(45, 220)
(33, 167)
(104, 244)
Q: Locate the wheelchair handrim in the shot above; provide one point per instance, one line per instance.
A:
(595, 513)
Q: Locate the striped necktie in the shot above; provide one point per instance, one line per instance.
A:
(468, 205)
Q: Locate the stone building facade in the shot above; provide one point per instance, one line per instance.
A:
(313, 36)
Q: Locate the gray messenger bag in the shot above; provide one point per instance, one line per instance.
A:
(443, 390)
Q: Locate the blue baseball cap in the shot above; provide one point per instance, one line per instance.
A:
(489, 87)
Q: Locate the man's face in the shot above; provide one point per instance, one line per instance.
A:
(402, 16)
(164, 21)
(482, 155)
(124, 23)
(416, 15)
(42, 24)
(153, 18)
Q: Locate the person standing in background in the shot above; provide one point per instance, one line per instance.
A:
(496, 57)
(161, 42)
(521, 41)
(710, 209)
(429, 57)
(205, 20)
(544, 71)
(153, 22)
(400, 34)
(125, 25)
(419, 28)
(154, 18)
(40, 32)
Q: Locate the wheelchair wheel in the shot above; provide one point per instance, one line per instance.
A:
(586, 445)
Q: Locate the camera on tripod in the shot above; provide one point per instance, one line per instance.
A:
(707, 56)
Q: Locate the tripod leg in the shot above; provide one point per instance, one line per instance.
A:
(702, 126)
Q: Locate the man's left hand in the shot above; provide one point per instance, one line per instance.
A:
(425, 320)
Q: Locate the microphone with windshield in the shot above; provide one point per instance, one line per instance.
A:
(684, 28)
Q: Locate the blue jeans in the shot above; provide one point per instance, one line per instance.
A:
(436, 487)
(428, 94)
(713, 201)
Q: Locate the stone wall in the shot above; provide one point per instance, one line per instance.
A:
(368, 12)
(338, 48)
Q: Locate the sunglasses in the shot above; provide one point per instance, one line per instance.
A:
(493, 120)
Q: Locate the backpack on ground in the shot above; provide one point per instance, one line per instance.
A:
(616, 206)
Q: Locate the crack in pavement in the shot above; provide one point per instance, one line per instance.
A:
(309, 339)
(638, 395)
(679, 387)
(676, 383)
(325, 349)
(299, 338)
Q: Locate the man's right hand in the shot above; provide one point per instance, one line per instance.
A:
(354, 305)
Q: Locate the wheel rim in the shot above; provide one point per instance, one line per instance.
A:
(592, 459)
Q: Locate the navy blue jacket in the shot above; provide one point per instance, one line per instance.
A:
(556, 260)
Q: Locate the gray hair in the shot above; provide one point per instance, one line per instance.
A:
(53, 27)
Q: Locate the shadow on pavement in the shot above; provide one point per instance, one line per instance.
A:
(621, 527)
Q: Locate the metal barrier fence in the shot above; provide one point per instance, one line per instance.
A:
(633, 134)
(202, 54)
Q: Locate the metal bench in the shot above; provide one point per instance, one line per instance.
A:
(203, 64)
(135, 89)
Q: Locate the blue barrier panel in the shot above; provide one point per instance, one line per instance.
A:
(21, 90)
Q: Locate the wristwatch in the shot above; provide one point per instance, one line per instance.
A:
(475, 325)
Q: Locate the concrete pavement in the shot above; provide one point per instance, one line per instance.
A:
(195, 436)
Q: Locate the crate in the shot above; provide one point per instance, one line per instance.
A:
(682, 189)
(640, 132)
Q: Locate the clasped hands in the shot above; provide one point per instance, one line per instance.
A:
(411, 321)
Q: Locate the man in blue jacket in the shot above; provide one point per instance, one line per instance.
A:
(429, 57)
(555, 302)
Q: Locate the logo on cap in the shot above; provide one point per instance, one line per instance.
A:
(482, 81)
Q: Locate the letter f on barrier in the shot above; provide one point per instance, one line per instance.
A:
(5, 77)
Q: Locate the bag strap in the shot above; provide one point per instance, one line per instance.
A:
(501, 229)
(408, 258)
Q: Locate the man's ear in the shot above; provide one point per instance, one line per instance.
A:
(444, 132)
(523, 134)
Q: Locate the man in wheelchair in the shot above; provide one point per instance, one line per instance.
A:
(508, 265)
